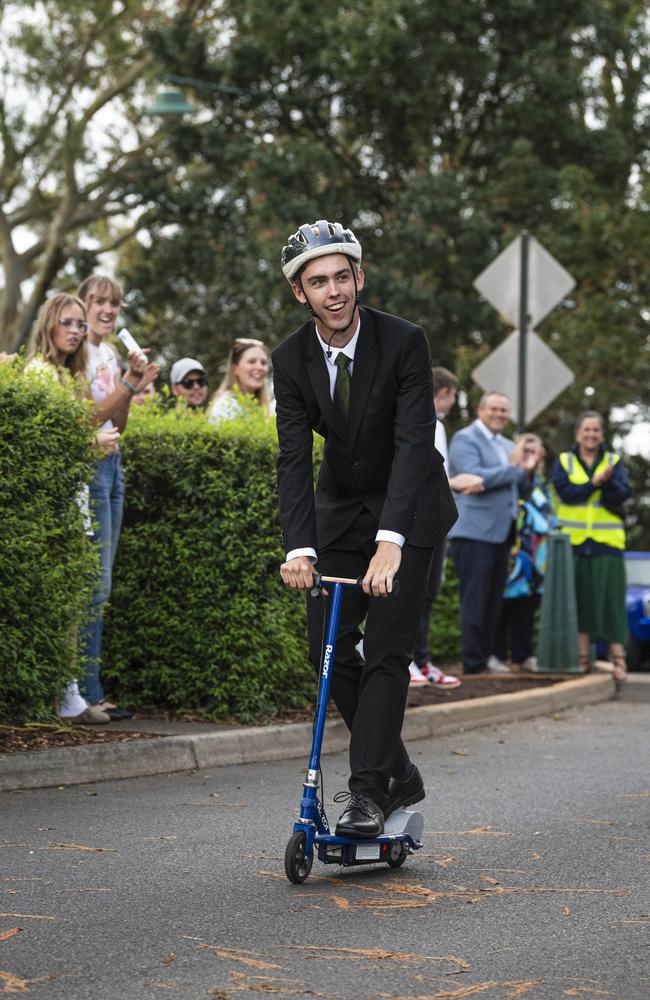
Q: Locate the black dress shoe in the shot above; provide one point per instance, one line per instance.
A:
(362, 818)
(404, 792)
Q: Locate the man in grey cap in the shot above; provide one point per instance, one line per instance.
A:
(189, 381)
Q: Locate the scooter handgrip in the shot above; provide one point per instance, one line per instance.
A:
(394, 592)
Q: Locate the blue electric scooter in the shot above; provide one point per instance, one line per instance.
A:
(402, 830)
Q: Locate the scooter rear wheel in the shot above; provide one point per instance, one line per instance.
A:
(297, 864)
(398, 860)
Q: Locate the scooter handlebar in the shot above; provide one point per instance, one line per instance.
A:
(320, 581)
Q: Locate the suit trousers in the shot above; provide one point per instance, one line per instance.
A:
(370, 691)
(482, 568)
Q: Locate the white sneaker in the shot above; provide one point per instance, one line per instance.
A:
(530, 665)
(72, 702)
(497, 666)
(417, 677)
(439, 678)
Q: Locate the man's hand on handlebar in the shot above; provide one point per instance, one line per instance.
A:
(381, 571)
(298, 573)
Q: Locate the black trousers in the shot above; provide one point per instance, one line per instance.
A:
(482, 568)
(514, 632)
(370, 691)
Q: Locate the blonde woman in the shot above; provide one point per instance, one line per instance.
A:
(58, 347)
(247, 374)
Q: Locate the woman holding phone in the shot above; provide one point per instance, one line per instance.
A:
(112, 394)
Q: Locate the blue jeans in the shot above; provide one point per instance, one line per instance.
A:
(106, 506)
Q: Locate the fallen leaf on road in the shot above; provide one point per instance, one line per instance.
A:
(375, 954)
(460, 753)
(566, 910)
(9, 934)
(487, 878)
(12, 984)
(240, 955)
(83, 847)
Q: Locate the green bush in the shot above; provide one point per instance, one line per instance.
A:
(198, 616)
(45, 560)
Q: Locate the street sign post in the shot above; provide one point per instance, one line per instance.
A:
(546, 374)
(523, 284)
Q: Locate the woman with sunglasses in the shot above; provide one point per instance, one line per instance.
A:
(112, 394)
(247, 373)
(58, 347)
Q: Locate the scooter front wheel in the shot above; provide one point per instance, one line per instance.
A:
(297, 864)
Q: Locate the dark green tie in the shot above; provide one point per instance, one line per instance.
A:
(343, 380)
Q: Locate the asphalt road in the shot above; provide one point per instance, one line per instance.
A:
(533, 881)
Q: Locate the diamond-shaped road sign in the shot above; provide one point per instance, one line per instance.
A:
(546, 375)
(548, 282)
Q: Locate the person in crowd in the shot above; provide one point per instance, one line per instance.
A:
(189, 381)
(112, 394)
(523, 590)
(481, 539)
(422, 670)
(142, 395)
(593, 485)
(247, 374)
(361, 379)
(58, 346)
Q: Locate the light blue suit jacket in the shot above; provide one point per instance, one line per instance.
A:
(488, 516)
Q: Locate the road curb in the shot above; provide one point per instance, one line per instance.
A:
(166, 754)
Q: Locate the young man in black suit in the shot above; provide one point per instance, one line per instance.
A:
(361, 379)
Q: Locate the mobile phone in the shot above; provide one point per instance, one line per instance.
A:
(131, 343)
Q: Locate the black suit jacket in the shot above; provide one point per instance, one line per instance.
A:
(383, 459)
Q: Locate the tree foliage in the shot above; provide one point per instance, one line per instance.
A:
(438, 132)
(72, 138)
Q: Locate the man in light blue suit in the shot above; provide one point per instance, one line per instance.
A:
(481, 539)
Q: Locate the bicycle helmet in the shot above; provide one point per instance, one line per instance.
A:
(316, 240)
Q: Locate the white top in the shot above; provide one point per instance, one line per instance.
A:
(224, 407)
(103, 374)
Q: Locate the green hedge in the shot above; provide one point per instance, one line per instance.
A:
(45, 559)
(198, 617)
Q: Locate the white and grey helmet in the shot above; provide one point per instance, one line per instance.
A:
(316, 240)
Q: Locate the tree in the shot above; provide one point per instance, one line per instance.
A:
(437, 131)
(71, 138)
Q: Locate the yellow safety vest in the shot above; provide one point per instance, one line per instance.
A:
(591, 519)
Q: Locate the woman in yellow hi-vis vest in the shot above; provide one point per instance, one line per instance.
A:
(592, 485)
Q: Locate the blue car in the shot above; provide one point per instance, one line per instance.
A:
(637, 602)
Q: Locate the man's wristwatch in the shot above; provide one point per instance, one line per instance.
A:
(125, 381)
